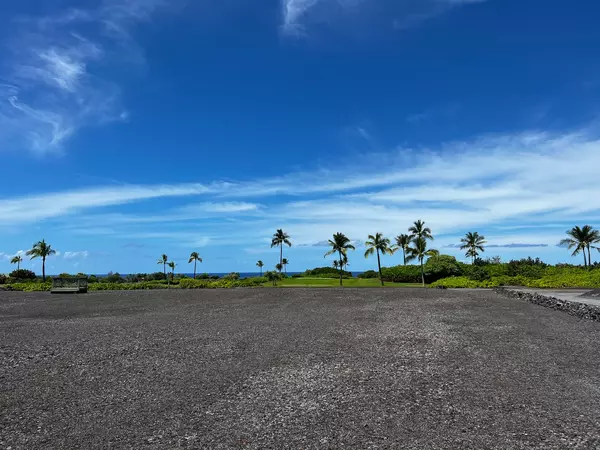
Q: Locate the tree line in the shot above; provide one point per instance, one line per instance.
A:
(412, 244)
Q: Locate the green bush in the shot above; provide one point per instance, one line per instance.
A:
(441, 266)
(104, 286)
(554, 278)
(32, 287)
(113, 278)
(369, 274)
(189, 283)
(457, 282)
(3, 278)
(401, 274)
(335, 273)
(327, 275)
(476, 273)
(22, 274)
(232, 276)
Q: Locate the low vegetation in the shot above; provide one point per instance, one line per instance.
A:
(433, 269)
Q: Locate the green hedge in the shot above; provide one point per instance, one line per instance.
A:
(554, 279)
(223, 283)
(185, 283)
(331, 271)
(401, 274)
(32, 287)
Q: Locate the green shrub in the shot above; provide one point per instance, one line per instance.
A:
(327, 275)
(113, 278)
(32, 287)
(441, 266)
(335, 273)
(232, 276)
(22, 274)
(189, 283)
(142, 285)
(476, 273)
(369, 274)
(3, 278)
(457, 282)
(401, 274)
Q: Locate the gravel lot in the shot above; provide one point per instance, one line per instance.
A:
(295, 368)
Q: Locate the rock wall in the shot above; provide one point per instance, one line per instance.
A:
(580, 310)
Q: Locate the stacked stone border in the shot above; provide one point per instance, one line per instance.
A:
(581, 310)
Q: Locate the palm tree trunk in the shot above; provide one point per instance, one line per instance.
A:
(18, 265)
(589, 256)
(584, 259)
(404, 255)
(280, 255)
(261, 271)
(379, 266)
(44, 269)
(165, 270)
(422, 273)
(195, 269)
(341, 270)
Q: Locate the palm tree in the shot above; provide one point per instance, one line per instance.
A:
(580, 240)
(279, 267)
(41, 250)
(378, 244)
(280, 238)
(419, 230)
(336, 264)
(17, 260)
(340, 244)
(194, 256)
(402, 242)
(344, 262)
(284, 263)
(172, 265)
(419, 251)
(163, 260)
(473, 243)
(594, 239)
(261, 265)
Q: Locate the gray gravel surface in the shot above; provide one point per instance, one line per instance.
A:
(295, 368)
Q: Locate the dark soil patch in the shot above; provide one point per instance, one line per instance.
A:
(295, 368)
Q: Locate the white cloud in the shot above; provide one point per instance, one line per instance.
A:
(74, 255)
(297, 14)
(500, 185)
(219, 207)
(293, 12)
(44, 206)
(51, 91)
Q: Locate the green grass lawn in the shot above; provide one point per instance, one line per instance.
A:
(333, 282)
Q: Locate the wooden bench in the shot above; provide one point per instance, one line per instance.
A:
(71, 285)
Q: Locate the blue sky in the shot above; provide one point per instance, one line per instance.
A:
(132, 128)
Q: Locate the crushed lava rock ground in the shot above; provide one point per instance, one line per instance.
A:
(295, 368)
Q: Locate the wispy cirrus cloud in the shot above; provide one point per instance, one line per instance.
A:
(510, 187)
(76, 255)
(517, 245)
(52, 87)
(298, 15)
(45, 206)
